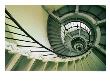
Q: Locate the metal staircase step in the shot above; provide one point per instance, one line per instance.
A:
(58, 47)
(53, 22)
(56, 43)
(53, 36)
(62, 66)
(50, 66)
(55, 40)
(54, 27)
(8, 57)
(85, 64)
(62, 51)
(100, 55)
(13, 62)
(71, 65)
(78, 65)
(54, 33)
(100, 66)
(38, 65)
(91, 63)
(21, 64)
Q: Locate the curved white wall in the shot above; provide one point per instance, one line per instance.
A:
(33, 19)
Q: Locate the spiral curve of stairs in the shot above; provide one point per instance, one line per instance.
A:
(77, 35)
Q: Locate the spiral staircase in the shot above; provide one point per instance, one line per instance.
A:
(76, 34)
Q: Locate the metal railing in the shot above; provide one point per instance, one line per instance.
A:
(17, 26)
